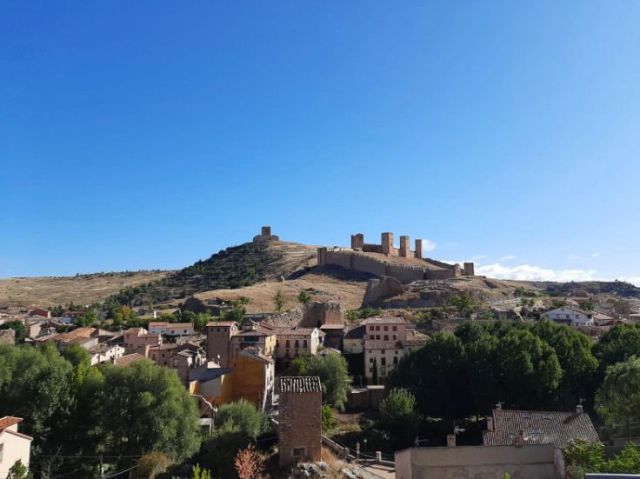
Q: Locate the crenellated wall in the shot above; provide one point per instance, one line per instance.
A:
(362, 262)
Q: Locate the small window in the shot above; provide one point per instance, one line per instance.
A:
(386, 337)
(395, 360)
(304, 343)
(383, 361)
(299, 451)
(377, 336)
(394, 328)
(370, 360)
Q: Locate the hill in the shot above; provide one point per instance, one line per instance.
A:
(231, 268)
(81, 289)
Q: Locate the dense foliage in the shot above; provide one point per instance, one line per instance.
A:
(73, 409)
(582, 457)
(618, 399)
(398, 418)
(540, 366)
(19, 328)
(333, 372)
(233, 267)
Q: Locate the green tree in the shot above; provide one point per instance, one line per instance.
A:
(463, 303)
(575, 355)
(333, 372)
(88, 318)
(155, 412)
(19, 327)
(242, 417)
(618, 399)
(201, 320)
(437, 366)
(398, 417)
(530, 369)
(304, 297)
(19, 471)
(328, 422)
(279, 300)
(618, 344)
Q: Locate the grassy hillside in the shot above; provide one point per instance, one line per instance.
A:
(81, 289)
(234, 267)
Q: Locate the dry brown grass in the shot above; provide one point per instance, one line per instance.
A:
(84, 289)
(322, 288)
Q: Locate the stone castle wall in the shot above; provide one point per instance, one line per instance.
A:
(358, 261)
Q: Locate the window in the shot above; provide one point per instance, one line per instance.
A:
(394, 328)
(299, 451)
(383, 361)
(383, 351)
(395, 337)
(371, 370)
(297, 343)
(395, 360)
(377, 336)
(386, 337)
(288, 343)
(304, 343)
(377, 328)
(370, 360)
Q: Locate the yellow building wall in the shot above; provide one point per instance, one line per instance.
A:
(248, 380)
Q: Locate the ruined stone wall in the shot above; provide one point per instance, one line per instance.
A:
(358, 261)
(372, 248)
(368, 264)
(405, 274)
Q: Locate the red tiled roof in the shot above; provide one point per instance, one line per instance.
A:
(9, 421)
(128, 359)
(539, 427)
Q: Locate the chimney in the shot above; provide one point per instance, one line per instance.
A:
(499, 406)
(451, 440)
(579, 409)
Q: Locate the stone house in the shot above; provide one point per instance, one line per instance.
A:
(294, 342)
(182, 358)
(138, 340)
(14, 446)
(570, 316)
(254, 336)
(219, 334)
(171, 329)
(299, 419)
(386, 341)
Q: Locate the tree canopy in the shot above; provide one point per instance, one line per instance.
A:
(467, 372)
(333, 372)
(618, 399)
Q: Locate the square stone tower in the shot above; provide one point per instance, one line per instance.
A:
(357, 241)
(404, 246)
(387, 243)
(299, 419)
(418, 250)
(219, 336)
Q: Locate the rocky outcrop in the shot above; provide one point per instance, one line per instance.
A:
(380, 288)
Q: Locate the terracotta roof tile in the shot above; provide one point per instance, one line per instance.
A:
(299, 384)
(539, 427)
(9, 421)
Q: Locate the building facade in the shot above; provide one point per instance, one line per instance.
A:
(299, 419)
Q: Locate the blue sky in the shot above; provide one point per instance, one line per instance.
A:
(151, 134)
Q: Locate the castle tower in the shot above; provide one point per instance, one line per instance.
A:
(266, 231)
(219, 341)
(357, 241)
(418, 250)
(404, 246)
(387, 243)
(469, 269)
(300, 419)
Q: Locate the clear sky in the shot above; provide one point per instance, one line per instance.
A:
(150, 134)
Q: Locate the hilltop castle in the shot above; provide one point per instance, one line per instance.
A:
(385, 259)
